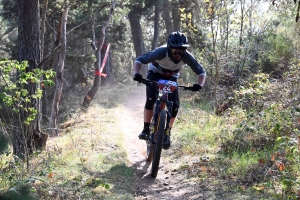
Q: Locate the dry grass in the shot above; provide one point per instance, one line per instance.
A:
(86, 159)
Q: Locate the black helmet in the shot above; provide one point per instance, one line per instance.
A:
(177, 40)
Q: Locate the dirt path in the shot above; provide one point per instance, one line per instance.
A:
(169, 183)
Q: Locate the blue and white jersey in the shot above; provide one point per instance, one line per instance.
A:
(160, 56)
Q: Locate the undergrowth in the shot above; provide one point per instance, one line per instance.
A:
(253, 146)
(252, 149)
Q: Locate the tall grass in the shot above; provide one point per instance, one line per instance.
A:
(87, 159)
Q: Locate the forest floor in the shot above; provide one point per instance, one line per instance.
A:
(177, 177)
(103, 144)
(170, 183)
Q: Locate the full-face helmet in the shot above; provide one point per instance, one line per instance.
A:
(177, 40)
(177, 45)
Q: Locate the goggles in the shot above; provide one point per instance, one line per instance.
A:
(177, 51)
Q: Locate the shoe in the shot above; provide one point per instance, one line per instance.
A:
(144, 135)
(167, 142)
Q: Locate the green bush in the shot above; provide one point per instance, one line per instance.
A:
(276, 52)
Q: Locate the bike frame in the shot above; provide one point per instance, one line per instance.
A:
(162, 102)
(160, 120)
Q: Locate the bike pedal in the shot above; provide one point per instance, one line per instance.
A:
(142, 138)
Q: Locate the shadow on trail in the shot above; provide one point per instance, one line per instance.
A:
(141, 168)
(119, 178)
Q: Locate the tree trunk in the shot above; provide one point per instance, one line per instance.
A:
(28, 137)
(90, 95)
(239, 56)
(215, 60)
(44, 97)
(166, 16)
(156, 27)
(137, 36)
(59, 71)
(176, 15)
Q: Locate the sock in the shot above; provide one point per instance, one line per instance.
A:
(146, 125)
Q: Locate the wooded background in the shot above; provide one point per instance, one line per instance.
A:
(52, 63)
(232, 39)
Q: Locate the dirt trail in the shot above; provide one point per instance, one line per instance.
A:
(169, 184)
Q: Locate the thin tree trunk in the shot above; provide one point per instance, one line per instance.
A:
(156, 27)
(166, 16)
(44, 97)
(227, 31)
(90, 95)
(59, 79)
(239, 63)
(215, 58)
(44, 11)
(176, 15)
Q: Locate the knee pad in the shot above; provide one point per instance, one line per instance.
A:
(150, 103)
(152, 95)
(174, 110)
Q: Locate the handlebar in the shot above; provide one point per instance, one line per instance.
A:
(148, 82)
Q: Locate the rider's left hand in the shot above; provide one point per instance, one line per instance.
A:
(197, 87)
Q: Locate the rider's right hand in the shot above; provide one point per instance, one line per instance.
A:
(138, 77)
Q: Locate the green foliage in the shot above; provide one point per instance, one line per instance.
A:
(268, 132)
(251, 94)
(15, 94)
(277, 50)
(260, 129)
(288, 164)
(21, 193)
(270, 111)
(95, 182)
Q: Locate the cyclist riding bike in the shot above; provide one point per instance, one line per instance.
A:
(165, 63)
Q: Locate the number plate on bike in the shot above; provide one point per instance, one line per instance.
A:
(167, 85)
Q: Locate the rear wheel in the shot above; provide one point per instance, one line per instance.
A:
(161, 123)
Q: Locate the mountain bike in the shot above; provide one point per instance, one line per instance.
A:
(160, 123)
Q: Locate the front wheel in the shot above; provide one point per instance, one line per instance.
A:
(150, 145)
(150, 151)
(161, 123)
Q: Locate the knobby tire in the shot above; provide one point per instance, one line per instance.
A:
(150, 150)
(161, 123)
(150, 146)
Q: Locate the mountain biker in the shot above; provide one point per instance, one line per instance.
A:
(165, 63)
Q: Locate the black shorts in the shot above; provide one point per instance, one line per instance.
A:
(152, 92)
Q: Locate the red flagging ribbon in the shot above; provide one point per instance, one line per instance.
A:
(99, 72)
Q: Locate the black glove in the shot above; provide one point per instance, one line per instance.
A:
(138, 77)
(196, 87)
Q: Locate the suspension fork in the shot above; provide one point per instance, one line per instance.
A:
(169, 113)
(161, 104)
(155, 114)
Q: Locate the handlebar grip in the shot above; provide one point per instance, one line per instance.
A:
(148, 82)
(189, 88)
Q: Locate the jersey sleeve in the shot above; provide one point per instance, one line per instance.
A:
(157, 54)
(190, 60)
